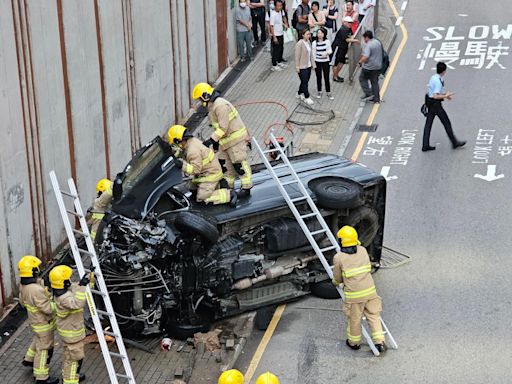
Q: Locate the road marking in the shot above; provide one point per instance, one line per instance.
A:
(253, 365)
(385, 84)
(385, 172)
(399, 21)
(404, 5)
(491, 174)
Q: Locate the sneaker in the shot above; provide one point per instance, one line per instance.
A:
(302, 97)
(319, 95)
(372, 101)
(276, 68)
(297, 96)
(309, 101)
(330, 96)
(283, 65)
(254, 44)
(338, 79)
(284, 61)
(367, 97)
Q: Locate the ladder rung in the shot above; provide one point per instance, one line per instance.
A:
(308, 215)
(96, 292)
(328, 248)
(270, 150)
(68, 194)
(80, 233)
(280, 166)
(81, 250)
(116, 355)
(123, 376)
(318, 232)
(74, 213)
(101, 312)
(302, 198)
(111, 334)
(289, 182)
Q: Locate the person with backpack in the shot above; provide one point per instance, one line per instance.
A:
(301, 17)
(371, 66)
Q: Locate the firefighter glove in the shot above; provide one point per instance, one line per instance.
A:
(84, 281)
(179, 163)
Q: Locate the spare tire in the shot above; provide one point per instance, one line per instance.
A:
(366, 222)
(324, 290)
(336, 193)
(190, 223)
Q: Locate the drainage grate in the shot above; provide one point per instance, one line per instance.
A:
(366, 128)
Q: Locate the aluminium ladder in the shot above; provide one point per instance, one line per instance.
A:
(101, 293)
(315, 213)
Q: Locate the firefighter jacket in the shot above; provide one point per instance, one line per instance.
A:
(229, 127)
(70, 314)
(201, 162)
(354, 271)
(101, 205)
(37, 300)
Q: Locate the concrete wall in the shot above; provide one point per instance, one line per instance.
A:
(83, 84)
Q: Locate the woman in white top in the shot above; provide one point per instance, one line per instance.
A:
(303, 63)
(321, 52)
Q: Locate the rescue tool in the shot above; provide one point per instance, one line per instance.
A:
(276, 148)
(101, 292)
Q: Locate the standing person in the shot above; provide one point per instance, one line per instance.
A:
(321, 51)
(364, 6)
(352, 268)
(340, 47)
(350, 10)
(243, 31)
(316, 19)
(302, 16)
(258, 18)
(102, 203)
(331, 19)
(435, 97)
(278, 23)
(371, 63)
(70, 302)
(230, 136)
(303, 63)
(40, 308)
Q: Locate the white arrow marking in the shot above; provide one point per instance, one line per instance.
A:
(385, 172)
(491, 174)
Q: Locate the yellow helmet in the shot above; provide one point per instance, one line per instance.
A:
(103, 185)
(267, 378)
(59, 275)
(231, 376)
(175, 134)
(348, 236)
(27, 264)
(202, 91)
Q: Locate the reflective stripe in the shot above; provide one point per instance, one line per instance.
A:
(357, 271)
(53, 306)
(207, 160)
(377, 335)
(208, 179)
(216, 126)
(233, 114)
(188, 168)
(93, 234)
(30, 352)
(31, 308)
(355, 339)
(220, 196)
(230, 180)
(98, 216)
(219, 133)
(246, 179)
(43, 327)
(362, 293)
(71, 332)
(80, 295)
(63, 314)
(235, 135)
(73, 376)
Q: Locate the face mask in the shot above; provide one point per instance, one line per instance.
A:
(272, 6)
(243, 5)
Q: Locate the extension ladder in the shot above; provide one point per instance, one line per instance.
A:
(101, 293)
(313, 214)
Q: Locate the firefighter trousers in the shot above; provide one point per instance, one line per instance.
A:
(207, 192)
(371, 309)
(39, 353)
(73, 353)
(234, 163)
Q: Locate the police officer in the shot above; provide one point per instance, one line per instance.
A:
(37, 300)
(102, 203)
(230, 135)
(70, 302)
(436, 94)
(352, 268)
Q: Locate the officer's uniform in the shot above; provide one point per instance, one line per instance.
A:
(36, 299)
(202, 163)
(70, 326)
(100, 206)
(354, 271)
(232, 136)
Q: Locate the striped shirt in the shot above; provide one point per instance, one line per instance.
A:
(322, 50)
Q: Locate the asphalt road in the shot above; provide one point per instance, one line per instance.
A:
(450, 308)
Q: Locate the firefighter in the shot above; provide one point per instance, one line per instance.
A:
(37, 300)
(201, 163)
(102, 203)
(352, 268)
(230, 136)
(70, 301)
(231, 376)
(267, 378)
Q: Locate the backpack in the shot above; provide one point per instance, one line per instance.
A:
(295, 18)
(385, 60)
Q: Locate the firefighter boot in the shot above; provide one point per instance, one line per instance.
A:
(354, 347)
(49, 380)
(244, 192)
(381, 347)
(26, 363)
(81, 376)
(233, 198)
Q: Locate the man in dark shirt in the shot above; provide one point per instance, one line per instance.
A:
(258, 18)
(340, 47)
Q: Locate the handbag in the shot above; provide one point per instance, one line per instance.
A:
(289, 36)
(424, 107)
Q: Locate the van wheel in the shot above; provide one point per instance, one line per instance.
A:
(366, 222)
(334, 193)
(324, 290)
(190, 223)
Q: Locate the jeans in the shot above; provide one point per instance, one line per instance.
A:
(435, 108)
(372, 76)
(323, 68)
(277, 50)
(304, 75)
(244, 38)
(258, 17)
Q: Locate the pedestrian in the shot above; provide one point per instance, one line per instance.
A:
(331, 19)
(316, 19)
(371, 63)
(40, 308)
(321, 51)
(278, 24)
(230, 137)
(70, 302)
(340, 48)
(352, 268)
(258, 18)
(243, 31)
(302, 17)
(350, 10)
(363, 8)
(102, 203)
(303, 63)
(434, 101)
(231, 376)
(203, 165)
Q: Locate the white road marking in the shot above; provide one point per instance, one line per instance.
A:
(385, 172)
(463, 15)
(399, 21)
(491, 174)
(404, 5)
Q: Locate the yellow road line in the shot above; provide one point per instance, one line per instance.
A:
(263, 343)
(385, 84)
